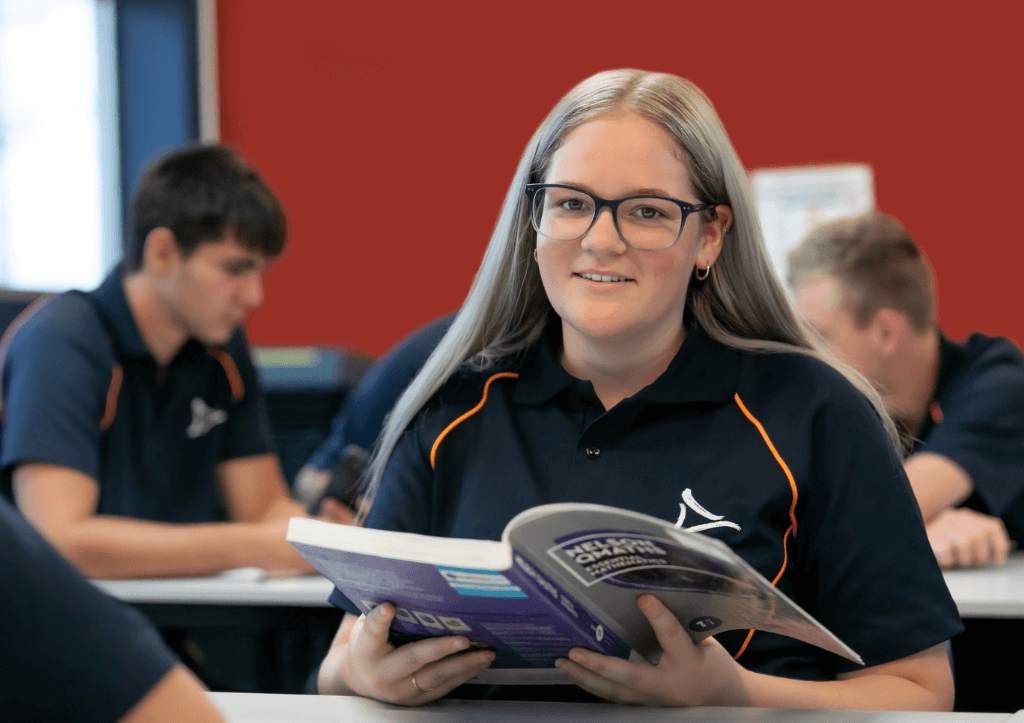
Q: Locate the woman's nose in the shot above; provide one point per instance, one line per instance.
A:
(603, 237)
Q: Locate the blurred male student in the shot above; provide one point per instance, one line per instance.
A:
(136, 437)
(864, 284)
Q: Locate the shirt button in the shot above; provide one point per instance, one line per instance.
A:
(593, 452)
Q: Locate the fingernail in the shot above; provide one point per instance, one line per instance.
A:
(576, 655)
(460, 644)
(559, 663)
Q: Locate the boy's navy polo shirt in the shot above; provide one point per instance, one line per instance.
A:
(172, 427)
(737, 445)
(977, 420)
(69, 651)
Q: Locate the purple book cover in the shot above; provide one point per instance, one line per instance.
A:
(519, 612)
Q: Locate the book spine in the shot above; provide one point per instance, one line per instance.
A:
(568, 609)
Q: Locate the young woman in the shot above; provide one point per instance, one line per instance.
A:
(626, 342)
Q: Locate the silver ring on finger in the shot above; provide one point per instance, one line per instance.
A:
(417, 685)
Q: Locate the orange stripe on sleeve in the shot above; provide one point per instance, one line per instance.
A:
(234, 378)
(116, 377)
(467, 415)
(791, 530)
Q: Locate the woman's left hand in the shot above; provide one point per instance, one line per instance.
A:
(688, 674)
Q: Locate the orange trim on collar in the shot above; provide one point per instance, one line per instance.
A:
(467, 415)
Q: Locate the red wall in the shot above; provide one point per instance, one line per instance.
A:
(392, 132)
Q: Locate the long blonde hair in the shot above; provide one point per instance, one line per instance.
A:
(742, 304)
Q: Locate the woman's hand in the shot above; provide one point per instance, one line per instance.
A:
(688, 674)
(362, 662)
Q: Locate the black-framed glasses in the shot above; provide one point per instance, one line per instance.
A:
(648, 223)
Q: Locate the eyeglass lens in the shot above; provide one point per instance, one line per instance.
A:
(646, 222)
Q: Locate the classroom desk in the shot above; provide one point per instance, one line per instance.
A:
(249, 708)
(255, 635)
(294, 624)
(991, 592)
(985, 658)
(233, 588)
(985, 593)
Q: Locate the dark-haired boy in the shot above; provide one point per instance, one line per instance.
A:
(136, 438)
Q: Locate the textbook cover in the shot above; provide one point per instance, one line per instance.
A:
(563, 575)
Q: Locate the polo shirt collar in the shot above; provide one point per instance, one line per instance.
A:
(703, 370)
(119, 321)
(950, 356)
(542, 375)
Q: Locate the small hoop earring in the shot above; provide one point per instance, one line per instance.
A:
(697, 273)
(535, 254)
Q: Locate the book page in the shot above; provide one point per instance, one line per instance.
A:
(606, 558)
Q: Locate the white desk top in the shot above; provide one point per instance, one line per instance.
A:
(237, 587)
(992, 592)
(988, 592)
(264, 708)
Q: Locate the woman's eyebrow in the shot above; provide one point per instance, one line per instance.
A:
(644, 191)
(652, 192)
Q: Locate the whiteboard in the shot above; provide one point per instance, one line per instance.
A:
(792, 202)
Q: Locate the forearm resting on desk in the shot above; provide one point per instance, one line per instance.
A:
(918, 682)
(62, 502)
(938, 483)
(115, 547)
(959, 537)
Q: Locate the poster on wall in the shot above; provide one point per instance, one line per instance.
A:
(792, 202)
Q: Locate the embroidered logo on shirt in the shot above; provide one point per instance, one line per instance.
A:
(204, 419)
(689, 502)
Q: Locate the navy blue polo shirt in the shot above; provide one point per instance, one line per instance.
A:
(69, 652)
(977, 420)
(777, 455)
(170, 427)
(366, 407)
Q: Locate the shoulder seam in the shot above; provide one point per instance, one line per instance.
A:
(116, 374)
(8, 337)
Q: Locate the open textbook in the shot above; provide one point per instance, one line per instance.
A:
(564, 575)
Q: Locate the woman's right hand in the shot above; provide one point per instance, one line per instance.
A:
(361, 661)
